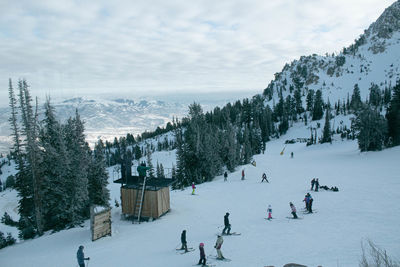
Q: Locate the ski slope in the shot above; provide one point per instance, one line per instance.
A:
(366, 207)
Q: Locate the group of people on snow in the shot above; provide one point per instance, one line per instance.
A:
(217, 246)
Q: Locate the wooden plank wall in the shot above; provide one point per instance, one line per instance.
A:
(100, 224)
(155, 204)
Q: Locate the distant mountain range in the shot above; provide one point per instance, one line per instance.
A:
(111, 118)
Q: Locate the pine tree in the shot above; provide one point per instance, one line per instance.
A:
(149, 161)
(393, 116)
(98, 177)
(356, 103)
(326, 135)
(55, 168)
(33, 158)
(310, 100)
(77, 188)
(370, 128)
(375, 98)
(318, 106)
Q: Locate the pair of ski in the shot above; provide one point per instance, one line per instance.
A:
(184, 252)
(233, 233)
(219, 259)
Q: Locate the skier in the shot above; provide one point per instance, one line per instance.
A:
(202, 255)
(264, 177)
(193, 187)
(225, 176)
(183, 241)
(293, 210)
(312, 184)
(291, 154)
(242, 174)
(227, 224)
(310, 204)
(81, 257)
(218, 246)
(316, 185)
(307, 201)
(269, 210)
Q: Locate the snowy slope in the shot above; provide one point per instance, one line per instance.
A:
(365, 207)
(373, 58)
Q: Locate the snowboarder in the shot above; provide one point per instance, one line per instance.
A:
(218, 246)
(269, 210)
(81, 257)
(193, 188)
(183, 241)
(312, 184)
(202, 255)
(227, 224)
(293, 210)
(264, 177)
(242, 174)
(316, 185)
(225, 176)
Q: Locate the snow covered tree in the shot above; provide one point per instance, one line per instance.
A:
(149, 161)
(310, 100)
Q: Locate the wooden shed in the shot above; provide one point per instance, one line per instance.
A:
(144, 198)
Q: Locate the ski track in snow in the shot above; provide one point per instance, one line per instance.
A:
(365, 207)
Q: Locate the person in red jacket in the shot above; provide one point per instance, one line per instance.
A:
(243, 174)
(202, 255)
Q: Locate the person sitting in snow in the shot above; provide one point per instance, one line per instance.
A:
(293, 210)
(202, 255)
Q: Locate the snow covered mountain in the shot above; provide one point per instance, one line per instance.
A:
(373, 58)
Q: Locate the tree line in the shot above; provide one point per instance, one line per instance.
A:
(58, 176)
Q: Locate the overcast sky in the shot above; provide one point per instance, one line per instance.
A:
(131, 47)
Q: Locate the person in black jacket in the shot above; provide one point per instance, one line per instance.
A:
(227, 224)
(81, 257)
(316, 185)
(183, 241)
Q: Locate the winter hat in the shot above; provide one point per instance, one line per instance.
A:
(201, 244)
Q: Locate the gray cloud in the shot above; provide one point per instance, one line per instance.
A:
(137, 47)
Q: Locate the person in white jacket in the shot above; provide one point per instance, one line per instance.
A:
(218, 246)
